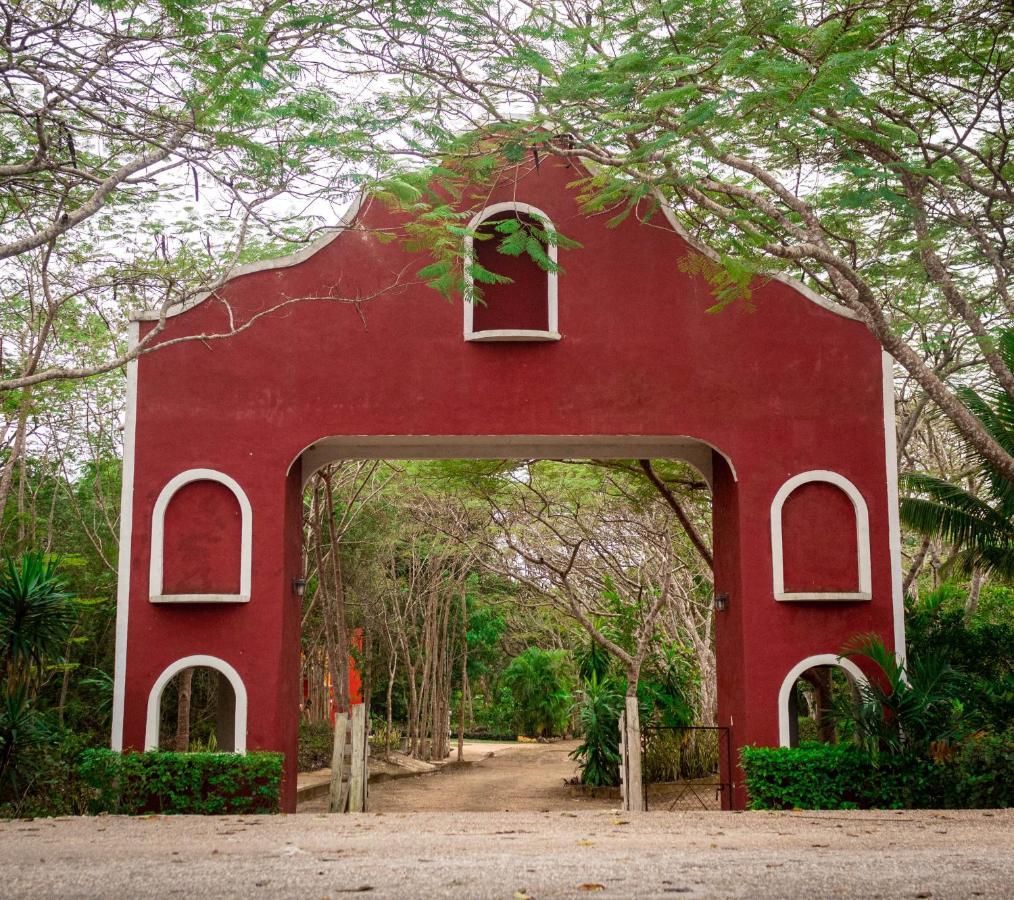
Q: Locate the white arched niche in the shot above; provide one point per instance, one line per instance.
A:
(157, 554)
(193, 662)
(552, 305)
(862, 520)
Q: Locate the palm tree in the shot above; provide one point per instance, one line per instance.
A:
(908, 709)
(981, 527)
(541, 683)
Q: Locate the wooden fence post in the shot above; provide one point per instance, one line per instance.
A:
(633, 794)
(338, 796)
(360, 749)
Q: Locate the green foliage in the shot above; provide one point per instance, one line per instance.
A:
(599, 714)
(908, 709)
(541, 684)
(844, 776)
(316, 746)
(980, 650)
(980, 523)
(36, 614)
(181, 783)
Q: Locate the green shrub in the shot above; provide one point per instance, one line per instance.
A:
(978, 774)
(985, 772)
(316, 746)
(182, 783)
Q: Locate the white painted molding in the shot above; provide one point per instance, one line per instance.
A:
(155, 571)
(126, 539)
(865, 579)
(552, 332)
(821, 659)
(893, 515)
(263, 265)
(189, 662)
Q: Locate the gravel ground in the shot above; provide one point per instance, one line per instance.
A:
(514, 855)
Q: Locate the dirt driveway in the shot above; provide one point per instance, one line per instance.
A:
(494, 778)
(514, 856)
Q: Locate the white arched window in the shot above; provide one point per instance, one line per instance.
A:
(156, 573)
(854, 584)
(524, 310)
(238, 701)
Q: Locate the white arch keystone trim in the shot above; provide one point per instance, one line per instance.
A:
(510, 334)
(821, 659)
(190, 662)
(155, 570)
(862, 514)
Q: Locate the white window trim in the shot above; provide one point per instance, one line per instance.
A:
(190, 662)
(862, 515)
(510, 334)
(155, 572)
(821, 659)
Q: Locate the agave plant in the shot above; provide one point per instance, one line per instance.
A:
(980, 524)
(599, 715)
(36, 615)
(909, 709)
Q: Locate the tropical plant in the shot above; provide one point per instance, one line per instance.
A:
(980, 522)
(906, 707)
(541, 684)
(599, 713)
(36, 615)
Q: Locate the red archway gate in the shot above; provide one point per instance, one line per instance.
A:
(786, 407)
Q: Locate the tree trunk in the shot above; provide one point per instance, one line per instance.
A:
(186, 683)
(464, 673)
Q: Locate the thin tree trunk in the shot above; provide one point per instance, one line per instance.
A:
(186, 683)
(974, 589)
(464, 673)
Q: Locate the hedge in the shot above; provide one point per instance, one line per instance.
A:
(980, 774)
(181, 783)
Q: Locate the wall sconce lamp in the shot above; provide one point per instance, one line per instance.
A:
(299, 586)
(721, 602)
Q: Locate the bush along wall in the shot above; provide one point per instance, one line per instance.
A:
(978, 773)
(181, 783)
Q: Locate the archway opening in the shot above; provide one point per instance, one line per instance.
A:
(197, 712)
(463, 589)
(812, 697)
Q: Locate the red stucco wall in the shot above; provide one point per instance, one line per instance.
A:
(779, 389)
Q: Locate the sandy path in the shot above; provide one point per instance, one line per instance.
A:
(500, 856)
(522, 778)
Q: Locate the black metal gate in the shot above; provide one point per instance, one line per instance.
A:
(681, 767)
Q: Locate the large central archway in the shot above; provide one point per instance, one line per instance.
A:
(795, 393)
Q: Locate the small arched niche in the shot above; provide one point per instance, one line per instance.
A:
(197, 703)
(525, 308)
(809, 693)
(820, 539)
(201, 540)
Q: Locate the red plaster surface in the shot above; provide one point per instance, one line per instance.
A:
(819, 540)
(204, 560)
(781, 388)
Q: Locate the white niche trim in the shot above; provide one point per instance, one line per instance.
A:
(155, 571)
(862, 518)
(552, 332)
